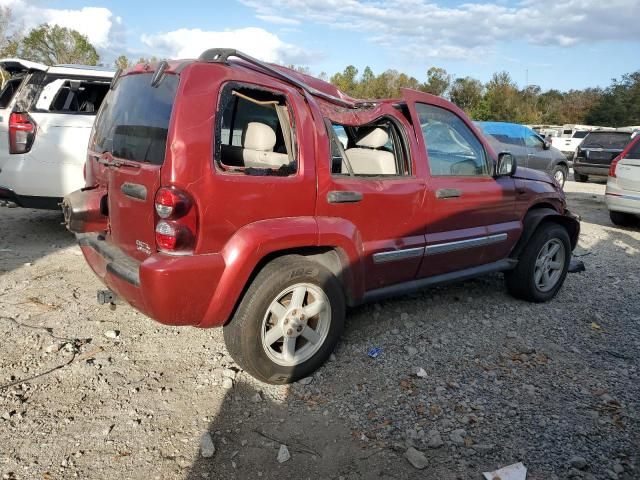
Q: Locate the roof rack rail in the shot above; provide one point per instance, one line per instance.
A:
(222, 55)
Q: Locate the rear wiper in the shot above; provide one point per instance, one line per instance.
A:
(117, 163)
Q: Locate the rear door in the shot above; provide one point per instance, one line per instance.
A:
(628, 169)
(126, 153)
(385, 209)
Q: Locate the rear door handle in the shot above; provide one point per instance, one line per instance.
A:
(340, 196)
(448, 193)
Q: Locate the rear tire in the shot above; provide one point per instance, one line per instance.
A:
(579, 177)
(276, 334)
(560, 173)
(548, 250)
(622, 219)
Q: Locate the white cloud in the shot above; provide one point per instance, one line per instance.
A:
(423, 28)
(97, 23)
(190, 43)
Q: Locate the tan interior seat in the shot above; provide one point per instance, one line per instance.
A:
(258, 142)
(367, 159)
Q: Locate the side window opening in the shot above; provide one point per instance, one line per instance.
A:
(59, 95)
(374, 149)
(452, 148)
(255, 133)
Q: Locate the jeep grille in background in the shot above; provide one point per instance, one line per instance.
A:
(134, 120)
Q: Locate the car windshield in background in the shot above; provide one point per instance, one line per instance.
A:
(580, 134)
(613, 140)
(134, 121)
(8, 91)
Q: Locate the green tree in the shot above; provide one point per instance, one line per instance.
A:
(122, 62)
(53, 44)
(438, 81)
(467, 94)
(500, 102)
(619, 105)
(347, 80)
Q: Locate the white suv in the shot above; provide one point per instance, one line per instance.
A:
(46, 116)
(623, 185)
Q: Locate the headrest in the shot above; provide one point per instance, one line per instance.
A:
(376, 138)
(259, 136)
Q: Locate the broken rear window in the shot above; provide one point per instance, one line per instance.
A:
(254, 132)
(9, 91)
(134, 121)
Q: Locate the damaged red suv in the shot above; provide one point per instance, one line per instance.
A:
(226, 192)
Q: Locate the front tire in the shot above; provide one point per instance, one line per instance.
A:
(560, 173)
(579, 177)
(542, 266)
(622, 219)
(288, 321)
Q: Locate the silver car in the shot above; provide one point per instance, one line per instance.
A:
(529, 148)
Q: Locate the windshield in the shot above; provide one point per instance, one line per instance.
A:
(613, 140)
(133, 122)
(580, 134)
(9, 91)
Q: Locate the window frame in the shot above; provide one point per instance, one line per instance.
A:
(222, 101)
(400, 142)
(38, 81)
(489, 166)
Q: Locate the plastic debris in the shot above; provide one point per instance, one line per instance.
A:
(517, 471)
(374, 352)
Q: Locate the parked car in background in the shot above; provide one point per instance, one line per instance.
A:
(623, 185)
(529, 148)
(272, 232)
(571, 137)
(46, 116)
(597, 150)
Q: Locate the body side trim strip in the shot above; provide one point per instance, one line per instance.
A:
(462, 244)
(383, 257)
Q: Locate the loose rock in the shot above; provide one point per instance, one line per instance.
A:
(283, 454)
(416, 458)
(207, 448)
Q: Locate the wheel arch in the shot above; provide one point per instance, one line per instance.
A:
(257, 244)
(544, 213)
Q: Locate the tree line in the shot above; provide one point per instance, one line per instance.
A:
(499, 99)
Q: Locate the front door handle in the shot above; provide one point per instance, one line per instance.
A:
(448, 193)
(341, 196)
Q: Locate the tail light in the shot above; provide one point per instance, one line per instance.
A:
(177, 221)
(614, 164)
(22, 132)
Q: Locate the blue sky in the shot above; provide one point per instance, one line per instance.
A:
(559, 44)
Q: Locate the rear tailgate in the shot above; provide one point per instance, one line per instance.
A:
(628, 169)
(127, 151)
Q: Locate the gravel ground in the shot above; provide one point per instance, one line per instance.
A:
(118, 396)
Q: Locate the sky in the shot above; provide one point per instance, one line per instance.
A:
(561, 44)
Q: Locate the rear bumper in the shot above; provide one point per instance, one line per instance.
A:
(620, 200)
(27, 201)
(591, 169)
(171, 290)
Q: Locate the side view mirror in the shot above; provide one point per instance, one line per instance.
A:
(506, 165)
(547, 143)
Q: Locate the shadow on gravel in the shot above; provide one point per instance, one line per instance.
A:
(28, 235)
(250, 429)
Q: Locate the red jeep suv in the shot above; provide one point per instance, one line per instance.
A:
(229, 192)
